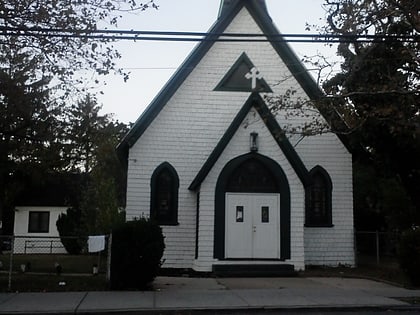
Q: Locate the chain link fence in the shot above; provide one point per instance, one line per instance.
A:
(26, 256)
(375, 247)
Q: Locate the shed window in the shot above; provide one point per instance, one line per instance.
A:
(164, 199)
(318, 199)
(39, 222)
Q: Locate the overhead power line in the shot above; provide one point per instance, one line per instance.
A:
(135, 35)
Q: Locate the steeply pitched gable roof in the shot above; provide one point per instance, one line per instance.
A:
(267, 117)
(226, 5)
(260, 15)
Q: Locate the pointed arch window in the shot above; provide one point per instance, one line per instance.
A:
(164, 195)
(252, 176)
(319, 199)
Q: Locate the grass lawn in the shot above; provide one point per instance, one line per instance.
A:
(53, 283)
(77, 273)
(41, 275)
(45, 263)
(386, 272)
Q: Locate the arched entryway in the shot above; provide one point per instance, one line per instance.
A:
(254, 186)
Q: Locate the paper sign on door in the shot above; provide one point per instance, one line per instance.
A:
(239, 214)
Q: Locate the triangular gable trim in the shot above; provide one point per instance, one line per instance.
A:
(173, 84)
(296, 67)
(264, 21)
(235, 79)
(267, 117)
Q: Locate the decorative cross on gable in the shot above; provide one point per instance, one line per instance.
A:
(243, 76)
(254, 74)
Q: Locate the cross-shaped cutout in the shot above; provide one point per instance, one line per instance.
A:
(253, 74)
(243, 76)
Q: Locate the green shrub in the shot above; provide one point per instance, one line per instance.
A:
(409, 254)
(136, 253)
(68, 226)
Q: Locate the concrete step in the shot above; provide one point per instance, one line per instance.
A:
(254, 270)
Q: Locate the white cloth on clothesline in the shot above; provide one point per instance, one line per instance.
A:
(96, 243)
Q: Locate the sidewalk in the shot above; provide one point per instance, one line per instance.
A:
(194, 294)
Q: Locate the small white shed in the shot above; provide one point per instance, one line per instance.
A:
(35, 230)
(37, 209)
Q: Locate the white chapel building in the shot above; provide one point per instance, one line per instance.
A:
(215, 167)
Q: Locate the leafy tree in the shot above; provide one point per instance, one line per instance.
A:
(38, 27)
(380, 202)
(100, 206)
(68, 227)
(85, 132)
(43, 58)
(378, 86)
(373, 100)
(28, 139)
(93, 138)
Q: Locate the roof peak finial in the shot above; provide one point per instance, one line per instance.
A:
(225, 5)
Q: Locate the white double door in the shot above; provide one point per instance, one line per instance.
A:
(252, 229)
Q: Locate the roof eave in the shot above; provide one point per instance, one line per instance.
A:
(176, 80)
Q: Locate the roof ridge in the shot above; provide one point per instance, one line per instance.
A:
(227, 5)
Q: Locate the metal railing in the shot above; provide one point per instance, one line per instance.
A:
(42, 246)
(24, 255)
(29, 255)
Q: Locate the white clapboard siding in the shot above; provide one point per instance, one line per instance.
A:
(189, 127)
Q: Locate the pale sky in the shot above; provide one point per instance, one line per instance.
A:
(151, 64)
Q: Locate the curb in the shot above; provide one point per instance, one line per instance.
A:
(249, 310)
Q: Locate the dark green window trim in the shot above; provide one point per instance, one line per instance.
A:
(164, 195)
(197, 224)
(256, 101)
(282, 188)
(318, 199)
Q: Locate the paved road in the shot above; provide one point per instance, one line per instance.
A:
(309, 312)
(222, 296)
(277, 312)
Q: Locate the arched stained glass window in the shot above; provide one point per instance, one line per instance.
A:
(252, 176)
(319, 199)
(164, 195)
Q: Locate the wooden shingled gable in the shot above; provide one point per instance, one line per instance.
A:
(236, 79)
(260, 15)
(254, 101)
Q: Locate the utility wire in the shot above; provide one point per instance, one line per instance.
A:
(135, 35)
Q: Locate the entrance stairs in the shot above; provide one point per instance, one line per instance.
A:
(254, 270)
